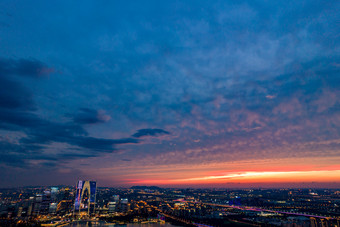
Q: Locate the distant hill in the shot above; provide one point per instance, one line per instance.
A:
(146, 187)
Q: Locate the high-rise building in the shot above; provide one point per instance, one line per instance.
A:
(124, 205)
(65, 194)
(19, 212)
(52, 208)
(64, 206)
(116, 198)
(112, 207)
(37, 204)
(85, 199)
(30, 206)
(45, 203)
(54, 192)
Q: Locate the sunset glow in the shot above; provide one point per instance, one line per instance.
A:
(248, 177)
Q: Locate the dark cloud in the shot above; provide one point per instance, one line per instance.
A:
(15, 148)
(23, 67)
(18, 155)
(13, 95)
(149, 132)
(17, 106)
(19, 120)
(17, 114)
(71, 134)
(90, 116)
(98, 144)
(41, 134)
(11, 159)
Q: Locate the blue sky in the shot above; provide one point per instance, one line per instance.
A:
(122, 91)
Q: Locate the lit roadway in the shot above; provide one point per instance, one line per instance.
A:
(265, 210)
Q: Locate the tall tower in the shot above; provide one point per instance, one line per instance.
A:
(85, 196)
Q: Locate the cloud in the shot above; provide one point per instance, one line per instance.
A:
(99, 144)
(149, 132)
(18, 114)
(13, 95)
(41, 134)
(90, 116)
(47, 133)
(24, 67)
(19, 155)
(246, 80)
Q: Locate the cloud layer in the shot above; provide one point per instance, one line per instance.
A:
(87, 88)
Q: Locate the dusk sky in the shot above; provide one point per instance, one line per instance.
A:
(170, 93)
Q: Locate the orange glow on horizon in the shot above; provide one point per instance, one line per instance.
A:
(255, 177)
(322, 172)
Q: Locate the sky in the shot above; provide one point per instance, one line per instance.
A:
(170, 93)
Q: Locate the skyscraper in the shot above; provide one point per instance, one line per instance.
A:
(54, 192)
(112, 206)
(85, 196)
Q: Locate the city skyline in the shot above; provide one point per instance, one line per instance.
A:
(183, 94)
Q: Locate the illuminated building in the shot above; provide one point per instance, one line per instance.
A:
(45, 203)
(116, 198)
(54, 192)
(112, 207)
(64, 205)
(124, 205)
(53, 208)
(85, 199)
(37, 204)
(30, 206)
(19, 212)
